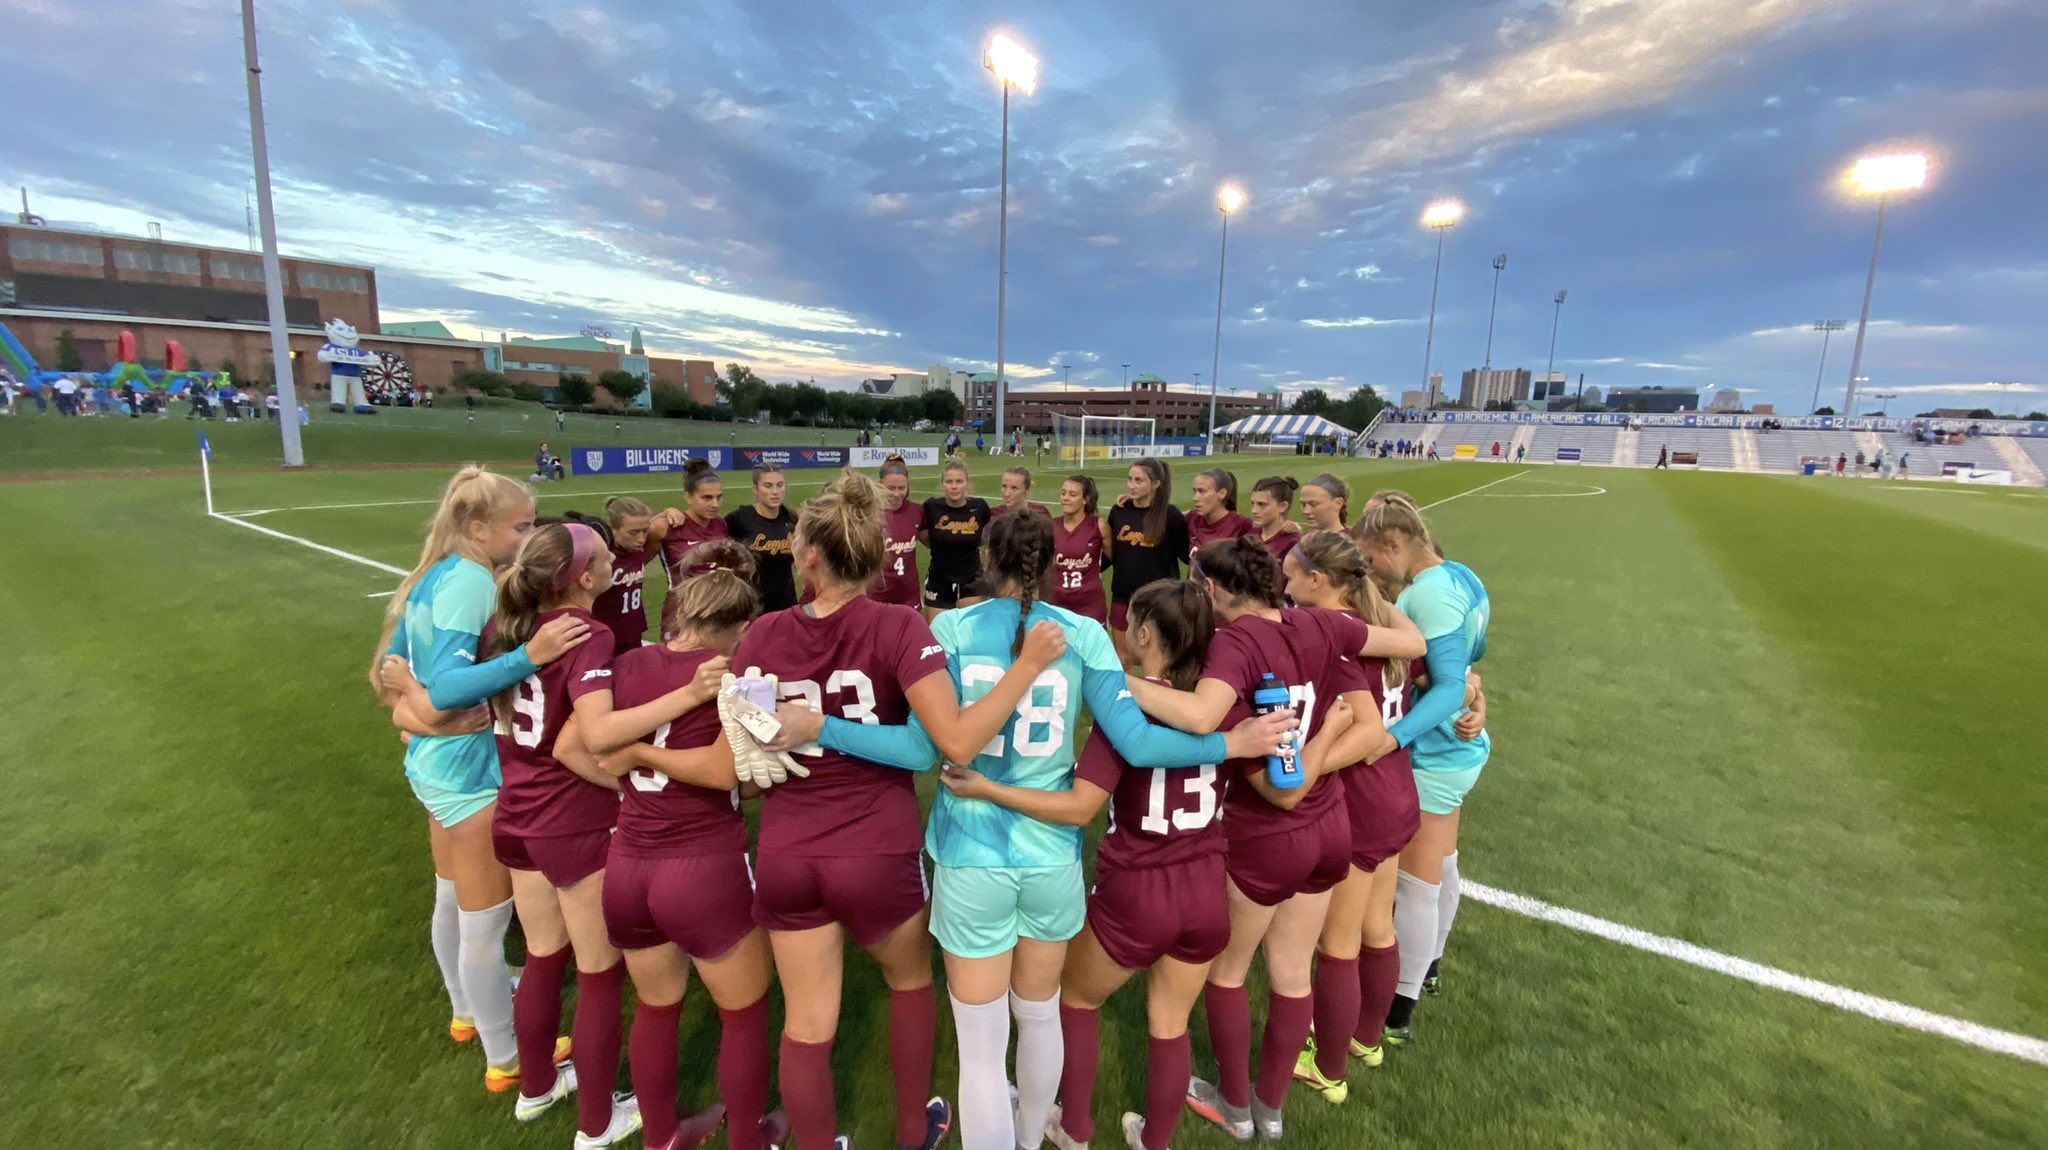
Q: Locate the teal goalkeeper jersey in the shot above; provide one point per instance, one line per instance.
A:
(1449, 605)
(1034, 749)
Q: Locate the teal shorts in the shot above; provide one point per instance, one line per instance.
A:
(981, 912)
(1442, 792)
(450, 807)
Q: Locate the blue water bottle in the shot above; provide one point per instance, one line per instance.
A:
(1284, 769)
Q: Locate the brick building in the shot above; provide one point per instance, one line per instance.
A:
(1178, 412)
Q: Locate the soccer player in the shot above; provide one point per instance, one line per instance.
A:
(765, 528)
(435, 624)
(1286, 847)
(1016, 494)
(952, 527)
(1147, 538)
(634, 535)
(901, 519)
(1450, 606)
(1323, 501)
(1213, 513)
(1077, 552)
(838, 857)
(678, 892)
(1357, 961)
(1272, 504)
(699, 521)
(1158, 904)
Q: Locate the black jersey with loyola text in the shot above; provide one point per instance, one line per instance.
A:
(769, 541)
(1136, 558)
(954, 535)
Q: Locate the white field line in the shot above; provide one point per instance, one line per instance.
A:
(2006, 1042)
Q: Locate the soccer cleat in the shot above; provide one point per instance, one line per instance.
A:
(698, 1128)
(1398, 1036)
(1057, 1134)
(461, 1029)
(1306, 1070)
(1432, 982)
(625, 1121)
(938, 1122)
(1206, 1102)
(528, 1109)
(499, 1081)
(1370, 1055)
(1266, 1120)
(775, 1130)
(842, 1143)
(1134, 1131)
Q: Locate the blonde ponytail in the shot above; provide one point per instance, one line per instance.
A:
(472, 496)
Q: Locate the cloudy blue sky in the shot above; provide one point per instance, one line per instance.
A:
(811, 186)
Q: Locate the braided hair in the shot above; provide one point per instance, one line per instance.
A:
(1019, 552)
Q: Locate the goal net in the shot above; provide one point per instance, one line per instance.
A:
(1080, 439)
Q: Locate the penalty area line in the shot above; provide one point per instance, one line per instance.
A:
(2009, 1043)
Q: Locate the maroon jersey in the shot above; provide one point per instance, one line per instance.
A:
(1157, 817)
(898, 583)
(1201, 531)
(1313, 651)
(620, 607)
(1077, 567)
(856, 664)
(658, 816)
(540, 797)
(1392, 703)
(684, 536)
(1280, 544)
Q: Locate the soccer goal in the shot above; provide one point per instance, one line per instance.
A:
(1080, 439)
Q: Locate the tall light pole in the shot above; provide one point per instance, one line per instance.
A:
(1443, 216)
(1014, 67)
(1066, 377)
(1127, 377)
(1229, 198)
(1883, 177)
(1827, 329)
(273, 273)
(1557, 313)
(1500, 264)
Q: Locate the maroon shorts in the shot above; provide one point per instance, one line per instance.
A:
(702, 903)
(868, 895)
(1143, 914)
(1380, 801)
(1305, 859)
(1119, 616)
(563, 860)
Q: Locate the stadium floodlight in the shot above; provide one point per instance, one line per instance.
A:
(1827, 328)
(1014, 67)
(1883, 177)
(1550, 366)
(1500, 264)
(273, 271)
(1442, 215)
(1229, 198)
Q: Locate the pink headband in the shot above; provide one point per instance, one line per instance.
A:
(582, 541)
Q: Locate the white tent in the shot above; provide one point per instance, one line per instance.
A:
(1284, 426)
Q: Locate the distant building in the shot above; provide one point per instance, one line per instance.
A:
(1726, 400)
(1411, 399)
(1177, 409)
(1654, 400)
(1546, 387)
(1763, 409)
(1481, 388)
(1591, 395)
(1435, 398)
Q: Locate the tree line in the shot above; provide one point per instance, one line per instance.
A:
(742, 394)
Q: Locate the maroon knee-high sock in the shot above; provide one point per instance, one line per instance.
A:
(651, 1059)
(1230, 1039)
(742, 1074)
(1169, 1063)
(1379, 972)
(594, 1037)
(1081, 1033)
(537, 1018)
(807, 1092)
(1287, 1023)
(913, 1031)
(1336, 1012)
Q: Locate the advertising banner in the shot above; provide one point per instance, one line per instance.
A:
(793, 458)
(642, 460)
(1989, 477)
(877, 456)
(1465, 451)
(1568, 455)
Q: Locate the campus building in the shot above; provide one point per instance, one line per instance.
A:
(1178, 409)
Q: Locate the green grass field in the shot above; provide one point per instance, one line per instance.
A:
(1793, 721)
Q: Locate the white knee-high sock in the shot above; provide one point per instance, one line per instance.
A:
(1415, 919)
(447, 934)
(1041, 1054)
(984, 1034)
(485, 981)
(1447, 902)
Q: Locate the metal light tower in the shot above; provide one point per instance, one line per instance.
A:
(1556, 314)
(1827, 329)
(1014, 67)
(1229, 198)
(273, 273)
(1443, 216)
(1066, 377)
(1880, 176)
(1500, 264)
(1127, 377)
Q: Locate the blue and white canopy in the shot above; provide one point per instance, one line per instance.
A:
(1283, 426)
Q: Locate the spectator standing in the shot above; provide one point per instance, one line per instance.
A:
(67, 395)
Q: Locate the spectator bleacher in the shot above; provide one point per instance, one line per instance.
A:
(1595, 444)
(2037, 450)
(1782, 450)
(1480, 435)
(1713, 445)
(1925, 459)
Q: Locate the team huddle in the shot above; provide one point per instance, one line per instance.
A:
(1285, 724)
